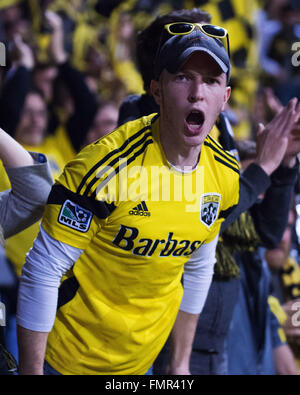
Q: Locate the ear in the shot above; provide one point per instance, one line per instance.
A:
(226, 97)
(155, 89)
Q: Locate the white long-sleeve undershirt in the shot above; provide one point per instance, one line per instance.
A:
(197, 278)
(46, 263)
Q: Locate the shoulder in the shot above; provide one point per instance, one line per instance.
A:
(105, 157)
(226, 171)
(225, 161)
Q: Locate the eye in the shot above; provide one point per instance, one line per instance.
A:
(181, 77)
(211, 80)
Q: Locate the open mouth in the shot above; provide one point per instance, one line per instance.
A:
(195, 119)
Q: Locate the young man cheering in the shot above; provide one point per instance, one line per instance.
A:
(124, 249)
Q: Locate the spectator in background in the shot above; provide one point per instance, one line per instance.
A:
(278, 27)
(121, 38)
(24, 112)
(285, 268)
(20, 207)
(31, 183)
(13, 20)
(283, 261)
(105, 121)
(255, 343)
(71, 131)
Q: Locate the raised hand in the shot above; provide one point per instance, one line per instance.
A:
(24, 54)
(272, 101)
(57, 50)
(293, 149)
(273, 139)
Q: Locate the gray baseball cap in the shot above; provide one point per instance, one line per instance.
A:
(177, 49)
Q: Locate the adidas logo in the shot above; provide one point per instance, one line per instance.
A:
(141, 209)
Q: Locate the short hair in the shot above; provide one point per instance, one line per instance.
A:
(148, 40)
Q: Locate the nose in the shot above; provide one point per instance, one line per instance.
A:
(34, 118)
(196, 91)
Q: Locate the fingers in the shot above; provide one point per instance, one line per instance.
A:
(53, 19)
(261, 128)
(283, 122)
(272, 101)
(297, 113)
(292, 116)
(18, 42)
(24, 52)
(17, 39)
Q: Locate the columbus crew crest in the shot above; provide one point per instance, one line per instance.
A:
(209, 208)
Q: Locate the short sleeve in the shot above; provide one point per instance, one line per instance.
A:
(71, 215)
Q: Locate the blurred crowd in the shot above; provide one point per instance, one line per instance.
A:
(70, 65)
(98, 38)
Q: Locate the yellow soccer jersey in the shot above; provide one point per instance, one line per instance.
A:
(138, 221)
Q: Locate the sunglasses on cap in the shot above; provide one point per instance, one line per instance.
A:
(182, 28)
